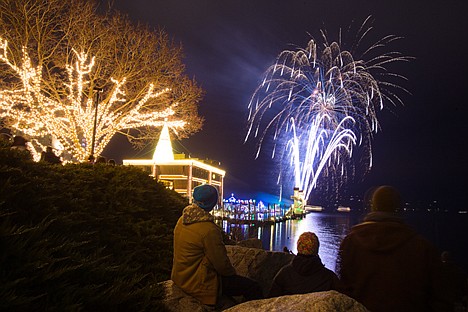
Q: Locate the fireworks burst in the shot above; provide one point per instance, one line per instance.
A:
(320, 102)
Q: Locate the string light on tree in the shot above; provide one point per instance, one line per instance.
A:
(54, 54)
(32, 110)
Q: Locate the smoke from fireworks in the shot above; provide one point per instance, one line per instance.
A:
(318, 103)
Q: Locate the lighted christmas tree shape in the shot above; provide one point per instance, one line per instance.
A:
(163, 151)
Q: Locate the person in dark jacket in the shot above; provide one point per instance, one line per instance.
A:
(385, 265)
(49, 156)
(201, 267)
(305, 273)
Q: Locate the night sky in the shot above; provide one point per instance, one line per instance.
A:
(229, 44)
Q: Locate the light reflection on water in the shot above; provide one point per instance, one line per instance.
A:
(330, 229)
(448, 231)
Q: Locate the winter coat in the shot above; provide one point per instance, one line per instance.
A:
(199, 255)
(384, 264)
(305, 274)
(50, 157)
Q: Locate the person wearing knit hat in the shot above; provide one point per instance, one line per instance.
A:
(385, 264)
(385, 198)
(305, 273)
(308, 244)
(205, 196)
(201, 267)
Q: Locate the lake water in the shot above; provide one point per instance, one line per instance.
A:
(446, 230)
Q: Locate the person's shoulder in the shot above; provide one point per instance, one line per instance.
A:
(422, 242)
(204, 227)
(211, 228)
(395, 224)
(284, 271)
(330, 272)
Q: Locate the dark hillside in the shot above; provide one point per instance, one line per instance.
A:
(82, 237)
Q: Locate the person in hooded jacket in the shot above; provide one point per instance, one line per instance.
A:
(387, 266)
(201, 267)
(20, 144)
(305, 273)
(49, 156)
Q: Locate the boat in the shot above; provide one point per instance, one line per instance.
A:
(343, 209)
(310, 208)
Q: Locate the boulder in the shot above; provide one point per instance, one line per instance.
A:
(176, 300)
(255, 263)
(319, 301)
(258, 264)
(251, 243)
(262, 266)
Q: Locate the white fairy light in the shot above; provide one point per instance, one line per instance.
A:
(70, 120)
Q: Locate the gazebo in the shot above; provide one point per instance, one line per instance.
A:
(177, 171)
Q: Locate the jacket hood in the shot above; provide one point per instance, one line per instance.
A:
(382, 232)
(193, 214)
(307, 265)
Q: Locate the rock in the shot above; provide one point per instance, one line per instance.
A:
(176, 300)
(258, 264)
(251, 243)
(319, 301)
(262, 266)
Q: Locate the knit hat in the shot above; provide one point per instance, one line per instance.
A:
(308, 244)
(205, 196)
(385, 198)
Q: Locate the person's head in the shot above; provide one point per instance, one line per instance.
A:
(308, 244)
(49, 149)
(446, 256)
(18, 140)
(5, 137)
(385, 198)
(205, 196)
(101, 160)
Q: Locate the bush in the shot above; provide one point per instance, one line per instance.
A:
(83, 237)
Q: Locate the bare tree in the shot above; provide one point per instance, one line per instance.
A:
(64, 68)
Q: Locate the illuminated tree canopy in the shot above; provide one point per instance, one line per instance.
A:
(59, 58)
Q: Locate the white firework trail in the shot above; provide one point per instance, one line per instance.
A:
(315, 102)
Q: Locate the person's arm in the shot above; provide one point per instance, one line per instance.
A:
(336, 283)
(340, 284)
(216, 253)
(276, 290)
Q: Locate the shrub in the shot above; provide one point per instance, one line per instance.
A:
(83, 237)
